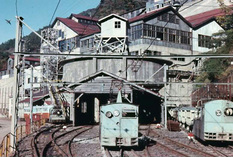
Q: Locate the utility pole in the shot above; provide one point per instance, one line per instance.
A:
(31, 98)
(165, 95)
(14, 117)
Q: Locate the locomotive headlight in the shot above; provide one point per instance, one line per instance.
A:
(116, 113)
(228, 111)
(108, 114)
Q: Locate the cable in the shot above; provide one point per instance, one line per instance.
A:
(54, 12)
(92, 18)
(16, 7)
(192, 5)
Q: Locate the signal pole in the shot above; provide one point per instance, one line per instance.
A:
(14, 113)
(165, 95)
(31, 98)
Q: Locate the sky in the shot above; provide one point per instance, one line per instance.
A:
(37, 13)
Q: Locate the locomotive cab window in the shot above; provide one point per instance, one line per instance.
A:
(129, 113)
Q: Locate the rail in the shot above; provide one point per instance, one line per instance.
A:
(21, 132)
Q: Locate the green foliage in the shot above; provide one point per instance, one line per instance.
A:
(107, 7)
(212, 69)
(7, 45)
(222, 42)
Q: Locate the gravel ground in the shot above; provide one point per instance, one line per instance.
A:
(87, 144)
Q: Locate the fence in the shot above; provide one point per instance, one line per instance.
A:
(21, 132)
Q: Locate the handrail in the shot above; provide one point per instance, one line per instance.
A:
(21, 132)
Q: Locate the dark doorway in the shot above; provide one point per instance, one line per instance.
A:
(84, 110)
(149, 107)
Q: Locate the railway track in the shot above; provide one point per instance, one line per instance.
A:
(121, 152)
(61, 143)
(183, 149)
(35, 142)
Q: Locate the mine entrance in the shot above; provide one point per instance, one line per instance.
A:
(149, 107)
(84, 110)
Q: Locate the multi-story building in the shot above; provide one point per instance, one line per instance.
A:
(7, 82)
(71, 29)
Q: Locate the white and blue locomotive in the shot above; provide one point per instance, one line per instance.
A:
(119, 124)
(215, 122)
(212, 121)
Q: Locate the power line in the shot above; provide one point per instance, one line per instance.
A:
(54, 12)
(97, 9)
(16, 7)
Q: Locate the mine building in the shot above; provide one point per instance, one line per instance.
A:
(121, 53)
(111, 70)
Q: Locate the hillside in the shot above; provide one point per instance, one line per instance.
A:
(107, 7)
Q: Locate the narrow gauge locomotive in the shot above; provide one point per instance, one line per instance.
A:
(215, 122)
(119, 124)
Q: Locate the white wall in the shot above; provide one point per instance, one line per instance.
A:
(207, 30)
(68, 33)
(6, 92)
(37, 72)
(108, 28)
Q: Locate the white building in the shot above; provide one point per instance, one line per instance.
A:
(37, 77)
(7, 82)
(113, 36)
(71, 29)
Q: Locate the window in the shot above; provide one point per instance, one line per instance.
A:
(135, 32)
(29, 80)
(177, 59)
(117, 24)
(35, 79)
(62, 45)
(68, 46)
(59, 33)
(58, 23)
(169, 18)
(148, 30)
(204, 41)
(164, 17)
(185, 37)
(172, 35)
(159, 32)
(172, 18)
(84, 107)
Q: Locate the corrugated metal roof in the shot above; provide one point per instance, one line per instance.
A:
(149, 14)
(35, 59)
(202, 18)
(152, 14)
(27, 100)
(78, 16)
(79, 28)
(102, 72)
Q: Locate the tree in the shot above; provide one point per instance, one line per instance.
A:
(222, 42)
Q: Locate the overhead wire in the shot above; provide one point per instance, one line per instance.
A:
(54, 12)
(16, 7)
(97, 9)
